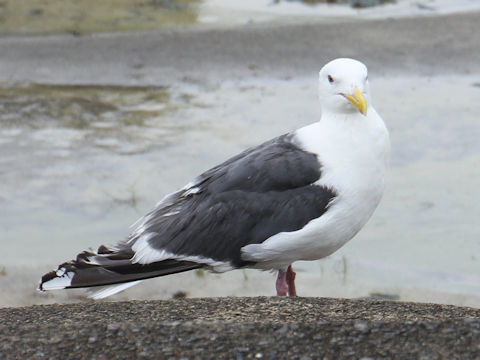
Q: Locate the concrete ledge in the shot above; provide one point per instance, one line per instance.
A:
(240, 328)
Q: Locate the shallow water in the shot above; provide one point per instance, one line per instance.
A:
(80, 164)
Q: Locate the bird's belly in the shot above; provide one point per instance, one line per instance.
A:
(347, 214)
(340, 224)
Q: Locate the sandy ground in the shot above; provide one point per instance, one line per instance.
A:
(241, 328)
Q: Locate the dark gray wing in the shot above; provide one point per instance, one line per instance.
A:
(260, 192)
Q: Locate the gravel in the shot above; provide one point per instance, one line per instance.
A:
(240, 328)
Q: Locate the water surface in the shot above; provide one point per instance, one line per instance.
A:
(81, 163)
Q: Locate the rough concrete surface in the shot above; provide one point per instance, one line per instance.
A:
(241, 328)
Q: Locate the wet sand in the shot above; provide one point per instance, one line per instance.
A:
(424, 46)
(240, 328)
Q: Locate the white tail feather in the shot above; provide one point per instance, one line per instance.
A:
(106, 291)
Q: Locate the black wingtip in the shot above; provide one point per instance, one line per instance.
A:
(47, 277)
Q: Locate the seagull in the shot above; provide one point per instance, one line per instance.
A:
(299, 196)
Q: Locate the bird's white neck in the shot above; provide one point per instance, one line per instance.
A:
(348, 146)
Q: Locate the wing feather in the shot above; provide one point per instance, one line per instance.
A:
(245, 200)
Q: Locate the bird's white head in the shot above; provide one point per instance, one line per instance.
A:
(343, 87)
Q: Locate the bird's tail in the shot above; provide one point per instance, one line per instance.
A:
(112, 268)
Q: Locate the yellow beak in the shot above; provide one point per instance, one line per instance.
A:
(358, 101)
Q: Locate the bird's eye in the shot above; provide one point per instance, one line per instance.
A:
(330, 79)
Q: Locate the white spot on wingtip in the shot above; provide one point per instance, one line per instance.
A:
(58, 283)
(92, 261)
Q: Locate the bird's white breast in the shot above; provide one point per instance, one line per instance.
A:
(353, 153)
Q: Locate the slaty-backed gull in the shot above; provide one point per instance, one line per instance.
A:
(300, 196)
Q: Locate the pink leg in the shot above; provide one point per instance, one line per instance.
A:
(281, 284)
(286, 282)
(291, 281)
